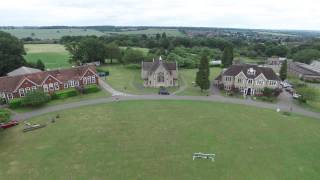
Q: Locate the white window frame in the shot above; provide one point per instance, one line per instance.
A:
(34, 88)
(56, 86)
(51, 87)
(66, 86)
(22, 93)
(250, 80)
(45, 88)
(260, 82)
(93, 79)
(76, 83)
(10, 96)
(27, 90)
(71, 83)
(84, 80)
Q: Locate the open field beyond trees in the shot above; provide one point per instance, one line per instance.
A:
(52, 55)
(156, 140)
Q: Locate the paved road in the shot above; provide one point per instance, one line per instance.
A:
(213, 98)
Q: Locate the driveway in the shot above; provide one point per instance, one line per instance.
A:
(109, 89)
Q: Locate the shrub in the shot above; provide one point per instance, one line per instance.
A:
(65, 94)
(15, 103)
(35, 98)
(266, 98)
(268, 92)
(4, 115)
(286, 113)
(307, 94)
(91, 89)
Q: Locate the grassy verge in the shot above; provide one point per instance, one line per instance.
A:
(189, 76)
(156, 140)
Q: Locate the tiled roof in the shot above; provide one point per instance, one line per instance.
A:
(23, 70)
(236, 69)
(153, 66)
(10, 83)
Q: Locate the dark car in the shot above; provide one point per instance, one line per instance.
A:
(9, 124)
(163, 91)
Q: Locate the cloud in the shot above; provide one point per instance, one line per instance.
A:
(272, 14)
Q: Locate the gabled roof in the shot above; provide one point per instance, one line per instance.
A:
(23, 70)
(10, 83)
(153, 66)
(236, 69)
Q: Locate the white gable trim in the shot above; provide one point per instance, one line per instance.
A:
(261, 75)
(25, 79)
(86, 73)
(47, 79)
(242, 74)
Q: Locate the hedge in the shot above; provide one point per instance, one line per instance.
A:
(15, 103)
(91, 89)
(4, 115)
(65, 94)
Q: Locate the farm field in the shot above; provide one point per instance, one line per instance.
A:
(156, 140)
(52, 55)
(51, 33)
(151, 32)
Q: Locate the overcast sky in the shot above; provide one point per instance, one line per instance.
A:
(269, 14)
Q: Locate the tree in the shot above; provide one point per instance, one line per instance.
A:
(283, 70)
(202, 77)
(113, 51)
(227, 56)
(89, 49)
(158, 36)
(35, 98)
(132, 56)
(164, 35)
(307, 93)
(306, 55)
(276, 50)
(11, 53)
(40, 65)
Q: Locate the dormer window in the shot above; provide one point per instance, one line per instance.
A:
(251, 71)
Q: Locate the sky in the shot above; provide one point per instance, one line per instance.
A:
(257, 14)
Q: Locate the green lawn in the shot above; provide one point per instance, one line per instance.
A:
(189, 76)
(51, 33)
(156, 140)
(128, 80)
(53, 55)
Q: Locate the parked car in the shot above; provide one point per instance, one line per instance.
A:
(286, 84)
(290, 90)
(9, 124)
(296, 96)
(163, 91)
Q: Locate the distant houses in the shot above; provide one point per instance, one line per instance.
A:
(18, 85)
(159, 73)
(247, 79)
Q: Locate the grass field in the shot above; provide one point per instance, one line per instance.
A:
(189, 76)
(152, 32)
(53, 55)
(156, 139)
(50, 33)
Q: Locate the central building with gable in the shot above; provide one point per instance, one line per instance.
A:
(159, 73)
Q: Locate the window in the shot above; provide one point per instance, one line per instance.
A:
(56, 86)
(228, 78)
(272, 83)
(34, 88)
(27, 90)
(45, 88)
(161, 77)
(89, 79)
(250, 81)
(76, 83)
(66, 85)
(260, 82)
(51, 88)
(71, 83)
(240, 80)
(93, 79)
(85, 80)
(21, 92)
(10, 96)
